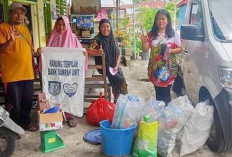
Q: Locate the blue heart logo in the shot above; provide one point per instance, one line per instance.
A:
(69, 89)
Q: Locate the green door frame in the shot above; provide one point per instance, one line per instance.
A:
(5, 9)
(32, 2)
(6, 6)
(47, 17)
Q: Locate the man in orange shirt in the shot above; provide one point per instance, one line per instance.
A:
(17, 67)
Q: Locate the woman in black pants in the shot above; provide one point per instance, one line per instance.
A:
(164, 43)
(104, 41)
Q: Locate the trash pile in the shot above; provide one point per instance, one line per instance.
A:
(99, 110)
(158, 127)
(50, 119)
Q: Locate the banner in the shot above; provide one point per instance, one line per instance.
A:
(63, 78)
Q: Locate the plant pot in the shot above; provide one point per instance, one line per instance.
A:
(145, 55)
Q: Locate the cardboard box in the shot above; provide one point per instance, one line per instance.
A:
(50, 121)
(40, 97)
(42, 106)
(42, 102)
(85, 33)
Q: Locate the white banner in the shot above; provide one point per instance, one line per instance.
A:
(63, 78)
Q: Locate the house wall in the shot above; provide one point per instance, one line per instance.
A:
(85, 6)
(37, 18)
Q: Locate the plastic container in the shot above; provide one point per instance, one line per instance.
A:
(116, 142)
(146, 142)
(52, 110)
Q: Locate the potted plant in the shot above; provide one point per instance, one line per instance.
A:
(144, 55)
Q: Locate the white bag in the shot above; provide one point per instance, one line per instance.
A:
(63, 78)
(171, 121)
(197, 129)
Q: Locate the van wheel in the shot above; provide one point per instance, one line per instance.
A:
(216, 141)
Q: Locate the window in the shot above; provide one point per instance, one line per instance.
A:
(196, 18)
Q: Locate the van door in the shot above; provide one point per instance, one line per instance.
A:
(194, 52)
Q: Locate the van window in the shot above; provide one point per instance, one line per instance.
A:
(196, 18)
(221, 19)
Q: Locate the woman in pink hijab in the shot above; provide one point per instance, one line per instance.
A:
(62, 36)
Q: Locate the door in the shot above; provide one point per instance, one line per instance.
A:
(1, 13)
(28, 18)
(194, 52)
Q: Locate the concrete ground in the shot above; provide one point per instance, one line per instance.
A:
(136, 76)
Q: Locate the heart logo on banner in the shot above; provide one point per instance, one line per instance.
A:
(69, 89)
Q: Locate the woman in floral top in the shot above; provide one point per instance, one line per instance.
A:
(164, 44)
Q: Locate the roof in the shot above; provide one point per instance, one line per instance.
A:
(183, 2)
(152, 4)
(108, 4)
(146, 4)
(112, 3)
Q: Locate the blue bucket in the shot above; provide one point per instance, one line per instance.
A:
(116, 142)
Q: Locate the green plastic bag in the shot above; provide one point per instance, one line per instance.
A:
(146, 142)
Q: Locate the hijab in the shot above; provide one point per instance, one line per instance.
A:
(66, 39)
(108, 45)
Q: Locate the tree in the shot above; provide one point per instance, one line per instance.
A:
(174, 11)
(145, 18)
(137, 1)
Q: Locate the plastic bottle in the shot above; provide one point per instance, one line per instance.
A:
(146, 142)
(147, 118)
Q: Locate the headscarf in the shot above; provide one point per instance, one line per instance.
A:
(66, 39)
(108, 45)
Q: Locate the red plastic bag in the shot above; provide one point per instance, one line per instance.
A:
(99, 110)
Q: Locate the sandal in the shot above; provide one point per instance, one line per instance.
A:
(71, 122)
(32, 128)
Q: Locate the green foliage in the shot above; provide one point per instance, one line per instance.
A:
(138, 44)
(145, 17)
(123, 23)
(123, 33)
(137, 1)
(171, 6)
(173, 10)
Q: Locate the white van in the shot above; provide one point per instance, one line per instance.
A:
(207, 66)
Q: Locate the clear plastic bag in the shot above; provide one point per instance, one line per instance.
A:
(126, 111)
(152, 108)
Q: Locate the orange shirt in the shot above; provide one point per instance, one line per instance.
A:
(16, 60)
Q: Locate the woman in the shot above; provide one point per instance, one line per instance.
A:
(62, 36)
(164, 44)
(105, 41)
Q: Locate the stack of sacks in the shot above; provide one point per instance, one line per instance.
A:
(172, 119)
